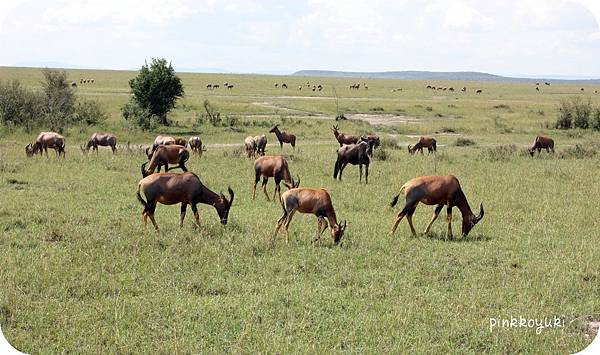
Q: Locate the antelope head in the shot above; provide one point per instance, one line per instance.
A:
(469, 222)
(224, 205)
(337, 232)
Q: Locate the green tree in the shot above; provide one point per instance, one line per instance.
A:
(156, 89)
(59, 99)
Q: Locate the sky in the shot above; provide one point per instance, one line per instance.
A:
(510, 37)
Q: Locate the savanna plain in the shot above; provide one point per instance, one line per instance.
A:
(80, 272)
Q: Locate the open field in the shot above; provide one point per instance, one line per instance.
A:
(81, 274)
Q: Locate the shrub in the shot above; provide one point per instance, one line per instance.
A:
(381, 154)
(574, 113)
(20, 106)
(90, 113)
(595, 121)
(502, 152)
(211, 115)
(142, 118)
(377, 109)
(464, 142)
(577, 152)
(583, 111)
(156, 88)
(389, 143)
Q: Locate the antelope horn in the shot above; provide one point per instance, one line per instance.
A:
(481, 212)
(231, 195)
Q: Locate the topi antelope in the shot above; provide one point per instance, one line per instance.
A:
(196, 146)
(275, 167)
(250, 146)
(260, 143)
(436, 190)
(165, 155)
(180, 141)
(166, 140)
(355, 154)
(100, 139)
(424, 142)
(284, 137)
(542, 142)
(344, 138)
(373, 142)
(44, 141)
(185, 188)
(315, 201)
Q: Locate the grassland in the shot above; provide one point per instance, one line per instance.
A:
(81, 274)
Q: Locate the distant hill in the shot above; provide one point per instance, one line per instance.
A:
(430, 75)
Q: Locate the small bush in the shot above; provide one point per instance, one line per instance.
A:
(142, 118)
(90, 113)
(428, 108)
(381, 154)
(577, 152)
(595, 121)
(447, 130)
(499, 153)
(502, 107)
(389, 143)
(377, 109)
(574, 113)
(464, 142)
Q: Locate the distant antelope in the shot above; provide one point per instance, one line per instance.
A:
(284, 137)
(209, 86)
(542, 142)
(181, 141)
(185, 188)
(276, 85)
(44, 141)
(230, 86)
(73, 84)
(537, 88)
(284, 86)
(250, 146)
(424, 142)
(92, 80)
(547, 83)
(314, 201)
(373, 142)
(164, 155)
(436, 190)
(216, 86)
(464, 89)
(196, 146)
(479, 91)
(355, 154)
(582, 89)
(166, 140)
(260, 143)
(101, 139)
(344, 138)
(320, 87)
(300, 87)
(275, 167)
(451, 89)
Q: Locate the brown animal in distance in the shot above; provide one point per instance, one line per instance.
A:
(101, 139)
(441, 191)
(343, 138)
(44, 141)
(542, 142)
(314, 201)
(260, 143)
(250, 146)
(196, 145)
(185, 188)
(284, 137)
(355, 154)
(165, 155)
(275, 167)
(424, 142)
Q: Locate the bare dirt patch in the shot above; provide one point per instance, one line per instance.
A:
(384, 119)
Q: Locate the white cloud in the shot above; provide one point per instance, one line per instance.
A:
(462, 17)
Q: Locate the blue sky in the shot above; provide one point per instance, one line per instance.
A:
(527, 37)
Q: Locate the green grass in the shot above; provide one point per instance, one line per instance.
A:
(81, 273)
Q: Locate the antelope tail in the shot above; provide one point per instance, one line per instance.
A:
(395, 200)
(139, 197)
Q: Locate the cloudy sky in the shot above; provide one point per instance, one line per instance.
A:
(526, 37)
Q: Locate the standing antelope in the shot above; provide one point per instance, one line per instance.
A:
(542, 142)
(344, 138)
(275, 167)
(250, 146)
(284, 137)
(373, 142)
(436, 190)
(44, 141)
(355, 154)
(185, 188)
(315, 201)
(424, 142)
(196, 146)
(180, 141)
(100, 139)
(166, 140)
(165, 155)
(260, 142)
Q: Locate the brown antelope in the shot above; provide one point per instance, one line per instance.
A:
(315, 201)
(436, 190)
(165, 155)
(180, 141)
(344, 138)
(250, 146)
(284, 137)
(373, 142)
(260, 143)
(424, 142)
(196, 146)
(101, 139)
(44, 141)
(185, 188)
(284, 86)
(464, 89)
(275, 167)
(230, 86)
(542, 142)
(166, 140)
(355, 154)
(209, 86)
(276, 85)
(479, 91)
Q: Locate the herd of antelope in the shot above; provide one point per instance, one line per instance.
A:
(186, 188)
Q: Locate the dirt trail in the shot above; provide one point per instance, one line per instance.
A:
(384, 119)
